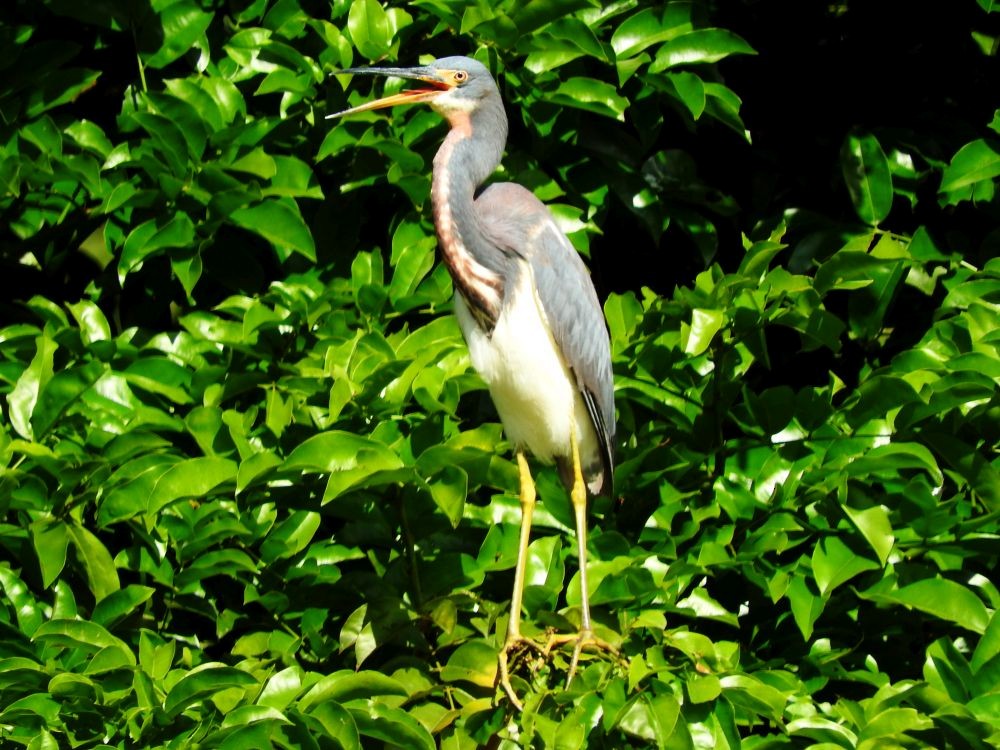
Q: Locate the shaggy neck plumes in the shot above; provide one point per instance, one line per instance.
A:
(469, 154)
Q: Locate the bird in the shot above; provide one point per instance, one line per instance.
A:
(529, 313)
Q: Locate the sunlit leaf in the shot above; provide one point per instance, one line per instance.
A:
(204, 682)
(866, 173)
(592, 95)
(278, 222)
(942, 598)
(369, 28)
(699, 46)
(975, 161)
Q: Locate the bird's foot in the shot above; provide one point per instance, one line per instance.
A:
(585, 639)
(515, 649)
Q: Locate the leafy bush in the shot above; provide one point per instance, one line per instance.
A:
(253, 495)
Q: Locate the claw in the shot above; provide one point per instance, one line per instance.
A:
(581, 640)
(515, 647)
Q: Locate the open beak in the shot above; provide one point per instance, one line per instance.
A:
(438, 86)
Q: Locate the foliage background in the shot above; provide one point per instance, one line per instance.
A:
(253, 495)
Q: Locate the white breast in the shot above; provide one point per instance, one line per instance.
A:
(535, 394)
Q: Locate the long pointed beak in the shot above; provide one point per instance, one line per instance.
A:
(425, 74)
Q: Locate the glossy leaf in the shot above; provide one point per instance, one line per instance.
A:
(650, 26)
(203, 683)
(975, 161)
(473, 662)
(279, 223)
(945, 599)
(699, 46)
(23, 397)
(192, 478)
(369, 28)
(102, 576)
(82, 634)
(50, 538)
(592, 95)
(183, 23)
(866, 173)
(834, 563)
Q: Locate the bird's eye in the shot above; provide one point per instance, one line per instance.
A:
(461, 76)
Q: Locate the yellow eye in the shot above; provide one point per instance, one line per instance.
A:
(460, 76)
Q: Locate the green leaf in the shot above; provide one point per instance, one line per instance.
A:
(202, 683)
(102, 576)
(806, 606)
(989, 645)
(531, 16)
(167, 140)
(351, 460)
(968, 463)
(874, 525)
(149, 239)
(291, 536)
(657, 719)
(975, 161)
(22, 399)
(160, 375)
(392, 726)
(592, 95)
(66, 388)
(244, 716)
(256, 162)
(449, 488)
(89, 136)
(474, 661)
(336, 722)
(704, 325)
(119, 604)
(690, 90)
(93, 325)
(942, 598)
(868, 178)
(337, 451)
(50, 538)
(58, 87)
(834, 563)
(183, 24)
(345, 685)
(280, 223)
(893, 457)
(281, 688)
(893, 722)
(195, 477)
(254, 467)
(82, 634)
(368, 25)
(293, 178)
(699, 46)
(703, 688)
(650, 26)
(27, 610)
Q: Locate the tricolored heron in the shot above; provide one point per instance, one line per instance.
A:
(529, 313)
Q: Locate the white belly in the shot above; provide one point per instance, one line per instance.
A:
(535, 394)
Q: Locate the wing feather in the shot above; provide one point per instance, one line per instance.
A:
(519, 222)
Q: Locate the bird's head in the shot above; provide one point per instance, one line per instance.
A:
(456, 86)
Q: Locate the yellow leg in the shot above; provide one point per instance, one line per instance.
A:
(586, 637)
(527, 511)
(515, 642)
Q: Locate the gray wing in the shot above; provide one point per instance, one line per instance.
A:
(567, 294)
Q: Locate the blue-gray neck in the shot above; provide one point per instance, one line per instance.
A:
(470, 153)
